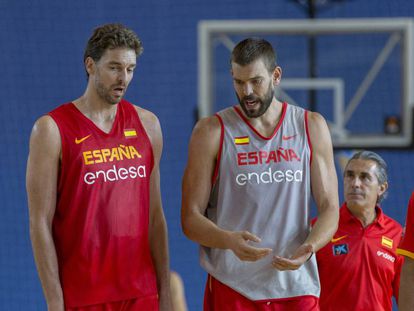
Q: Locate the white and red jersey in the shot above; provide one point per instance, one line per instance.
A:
(359, 268)
(262, 185)
(406, 247)
(100, 227)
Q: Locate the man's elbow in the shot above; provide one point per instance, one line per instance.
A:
(187, 225)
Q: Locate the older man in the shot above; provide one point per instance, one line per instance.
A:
(359, 269)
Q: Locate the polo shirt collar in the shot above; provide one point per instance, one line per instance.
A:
(347, 216)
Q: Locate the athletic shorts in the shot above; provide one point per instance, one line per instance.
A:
(220, 297)
(137, 304)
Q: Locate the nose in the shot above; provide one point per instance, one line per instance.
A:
(356, 182)
(122, 76)
(247, 89)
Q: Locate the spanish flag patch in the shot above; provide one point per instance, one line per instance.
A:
(130, 133)
(242, 140)
(386, 242)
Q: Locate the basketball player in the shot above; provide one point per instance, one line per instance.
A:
(406, 298)
(246, 193)
(96, 221)
(359, 269)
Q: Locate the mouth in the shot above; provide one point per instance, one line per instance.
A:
(251, 103)
(119, 91)
(354, 194)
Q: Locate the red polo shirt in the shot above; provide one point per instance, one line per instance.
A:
(359, 268)
(406, 247)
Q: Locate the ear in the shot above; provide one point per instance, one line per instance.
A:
(277, 75)
(382, 188)
(90, 65)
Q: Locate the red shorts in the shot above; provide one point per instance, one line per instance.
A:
(137, 304)
(220, 297)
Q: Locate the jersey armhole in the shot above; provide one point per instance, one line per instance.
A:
(308, 137)
(143, 129)
(62, 147)
(216, 169)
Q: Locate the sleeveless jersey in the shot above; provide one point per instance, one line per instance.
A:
(262, 185)
(100, 226)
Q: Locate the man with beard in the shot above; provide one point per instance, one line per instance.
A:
(251, 171)
(96, 221)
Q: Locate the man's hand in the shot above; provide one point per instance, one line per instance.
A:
(302, 254)
(239, 244)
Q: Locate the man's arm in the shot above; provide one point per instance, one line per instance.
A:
(324, 185)
(406, 297)
(158, 236)
(41, 183)
(196, 188)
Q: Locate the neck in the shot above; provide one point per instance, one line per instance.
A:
(94, 107)
(266, 123)
(366, 215)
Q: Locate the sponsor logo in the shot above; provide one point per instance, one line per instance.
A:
(242, 140)
(130, 133)
(288, 137)
(80, 140)
(334, 240)
(115, 174)
(387, 242)
(386, 256)
(264, 157)
(340, 249)
(269, 177)
(119, 153)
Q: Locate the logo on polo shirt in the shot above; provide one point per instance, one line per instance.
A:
(340, 249)
(385, 256)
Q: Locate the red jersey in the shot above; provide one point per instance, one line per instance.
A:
(100, 227)
(359, 269)
(406, 247)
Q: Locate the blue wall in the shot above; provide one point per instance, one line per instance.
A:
(42, 46)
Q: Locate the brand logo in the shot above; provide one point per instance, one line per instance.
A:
(340, 249)
(115, 174)
(269, 177)
(288, 137)
(78, 141)
(334, 240)
(386, 256)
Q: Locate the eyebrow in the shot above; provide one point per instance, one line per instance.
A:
(253, 78)
(120, 64)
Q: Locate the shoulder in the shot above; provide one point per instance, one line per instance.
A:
(206, 136)
(210, 125)
(45, 126)
(392, 223)
(146, 115)
(150, 121)
(45, 136)
(316, 120)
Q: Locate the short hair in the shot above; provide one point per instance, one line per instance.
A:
(381, 172)
(111, 36)
(251, 49)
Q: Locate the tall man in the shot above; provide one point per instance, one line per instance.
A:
(406, 298)
(96, 220)
(247, 190)
(359, 269)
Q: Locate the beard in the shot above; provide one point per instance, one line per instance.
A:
(105, 92)
(264, 103)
